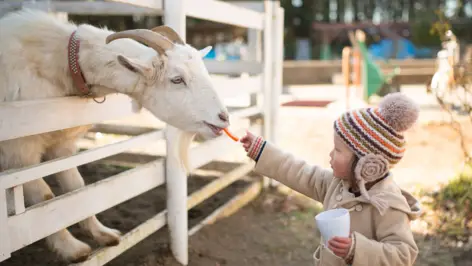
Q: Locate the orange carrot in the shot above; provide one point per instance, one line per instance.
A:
(230, 135)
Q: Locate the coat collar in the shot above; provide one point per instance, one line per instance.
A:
(387, 189)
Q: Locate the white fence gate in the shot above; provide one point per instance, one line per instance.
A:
(20, 226)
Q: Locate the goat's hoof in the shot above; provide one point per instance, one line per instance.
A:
(80, 259)
(69, 248)
(108, 237)
(76, 252)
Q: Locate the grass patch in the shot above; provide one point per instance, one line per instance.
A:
(451, 210)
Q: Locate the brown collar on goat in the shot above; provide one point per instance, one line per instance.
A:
(74, 67)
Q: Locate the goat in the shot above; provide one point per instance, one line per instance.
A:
(43, 57)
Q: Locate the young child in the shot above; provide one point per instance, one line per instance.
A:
(368, 142)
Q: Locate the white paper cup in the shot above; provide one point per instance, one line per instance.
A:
(335, 222)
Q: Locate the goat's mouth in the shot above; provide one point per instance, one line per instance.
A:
(215, 129)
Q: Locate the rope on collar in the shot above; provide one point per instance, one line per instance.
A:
(75, 70)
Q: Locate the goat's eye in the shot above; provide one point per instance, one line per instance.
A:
(177, 80)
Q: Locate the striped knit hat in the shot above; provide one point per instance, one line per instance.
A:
(378, 130)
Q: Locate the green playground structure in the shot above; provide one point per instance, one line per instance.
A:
(373, 79)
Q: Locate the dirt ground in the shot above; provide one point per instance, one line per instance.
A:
(277, 229)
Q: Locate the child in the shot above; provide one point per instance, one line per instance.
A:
(367, 143)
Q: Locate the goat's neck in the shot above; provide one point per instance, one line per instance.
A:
(99, 64)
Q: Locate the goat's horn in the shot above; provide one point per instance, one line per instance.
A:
(150, 38)
(169, 33)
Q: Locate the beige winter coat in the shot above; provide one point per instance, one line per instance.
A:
(379, 240)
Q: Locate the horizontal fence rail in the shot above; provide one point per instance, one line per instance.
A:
(133, 237)
(233, 67)
(111, 191)
(110, 7)
(39, 116)
(18, 177)
(224, 12)
(154, 4)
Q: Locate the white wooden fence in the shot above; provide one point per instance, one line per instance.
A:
(20, 226)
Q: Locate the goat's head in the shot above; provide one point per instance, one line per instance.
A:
(175, 85)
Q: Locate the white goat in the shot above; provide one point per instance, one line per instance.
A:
(165, 76)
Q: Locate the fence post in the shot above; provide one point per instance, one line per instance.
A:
(267, 76)
(176, 177)
(277, 41)
(277, 66)
(4, 236)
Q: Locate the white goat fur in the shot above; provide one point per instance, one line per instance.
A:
(33, 59)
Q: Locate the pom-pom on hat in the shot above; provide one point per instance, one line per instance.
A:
(379, 130)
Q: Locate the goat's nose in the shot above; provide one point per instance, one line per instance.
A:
(223, 116)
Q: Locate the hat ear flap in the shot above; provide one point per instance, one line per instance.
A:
(371, 167)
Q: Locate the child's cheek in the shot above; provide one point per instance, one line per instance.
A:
(342, 169)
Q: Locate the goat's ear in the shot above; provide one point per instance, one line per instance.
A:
(205, 51)
(134, 65)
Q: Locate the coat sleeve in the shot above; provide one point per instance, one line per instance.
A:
(395, 246)
(310, 180)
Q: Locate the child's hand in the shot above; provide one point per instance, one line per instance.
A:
(340, 245)
(247, 140)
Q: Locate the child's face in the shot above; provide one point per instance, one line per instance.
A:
(341, 159)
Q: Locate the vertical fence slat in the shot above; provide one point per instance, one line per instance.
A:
(176, 184)
(174, 16)
(255, 54)
(176, 178)
(277, 69)
(267, 68)
(4, 235)
(267, 76)
(15, 200)
(254, 45)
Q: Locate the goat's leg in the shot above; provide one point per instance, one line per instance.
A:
(62, 242)
(20, 153)
(70, 180)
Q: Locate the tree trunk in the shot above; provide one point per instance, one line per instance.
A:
(411, 10)
(355, 8)
(326, 11)
(341, 9)
(369, 8)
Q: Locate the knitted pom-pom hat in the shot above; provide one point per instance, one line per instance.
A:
(375, 135)
(379, 130)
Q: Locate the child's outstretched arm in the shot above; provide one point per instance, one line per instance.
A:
(395, 245)
(310, 180)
